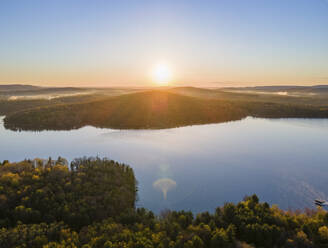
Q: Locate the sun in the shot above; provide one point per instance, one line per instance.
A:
(162, 74)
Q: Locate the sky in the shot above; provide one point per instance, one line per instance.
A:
(210, 43)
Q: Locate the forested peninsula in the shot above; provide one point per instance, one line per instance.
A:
(92, 203)
(153, 109)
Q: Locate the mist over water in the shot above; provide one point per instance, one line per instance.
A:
(284, 161)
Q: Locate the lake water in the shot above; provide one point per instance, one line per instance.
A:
(283, 161)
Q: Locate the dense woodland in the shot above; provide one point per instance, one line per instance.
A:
(157, 109)
(91, 203)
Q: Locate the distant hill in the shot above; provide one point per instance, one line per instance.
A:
(19, 90)
(277, 87)
(18, 87)
(29, 92)
(196, 92)
(318, 89)
(296, 95)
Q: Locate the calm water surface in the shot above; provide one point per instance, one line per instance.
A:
(284, 161)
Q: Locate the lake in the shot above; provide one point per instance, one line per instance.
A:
(283, 161)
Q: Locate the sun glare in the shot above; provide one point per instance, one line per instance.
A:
(162, 74)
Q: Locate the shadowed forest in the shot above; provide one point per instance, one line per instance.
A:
(160, 108)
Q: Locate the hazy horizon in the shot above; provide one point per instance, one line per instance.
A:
(200, 43)
(171, 85)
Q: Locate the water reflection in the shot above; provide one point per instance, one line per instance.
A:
(283, 161)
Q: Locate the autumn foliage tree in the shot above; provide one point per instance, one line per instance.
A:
(91, 204)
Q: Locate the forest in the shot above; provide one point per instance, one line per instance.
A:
(91, 203)
(154, 109)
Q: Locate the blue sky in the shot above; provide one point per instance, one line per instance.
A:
(203, 43)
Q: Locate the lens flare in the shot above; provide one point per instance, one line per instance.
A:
(164, 185)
